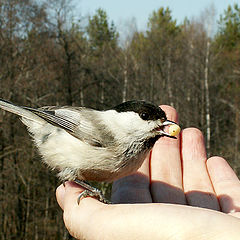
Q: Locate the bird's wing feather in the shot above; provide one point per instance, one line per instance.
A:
(81, 124)
(53, 118)
(73, 120)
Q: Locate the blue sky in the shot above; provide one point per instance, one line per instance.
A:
(123, 11)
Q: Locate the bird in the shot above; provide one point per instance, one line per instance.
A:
(85, 144)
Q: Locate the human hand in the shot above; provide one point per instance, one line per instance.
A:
(177, 172)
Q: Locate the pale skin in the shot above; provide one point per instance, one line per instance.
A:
(177, 193)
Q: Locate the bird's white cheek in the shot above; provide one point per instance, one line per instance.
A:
(125, 123)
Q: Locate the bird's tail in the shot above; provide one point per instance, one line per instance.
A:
(20, 111)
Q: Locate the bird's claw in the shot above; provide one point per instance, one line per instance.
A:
(90, 192)
(97, 194)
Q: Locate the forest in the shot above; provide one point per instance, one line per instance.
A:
(48, 56)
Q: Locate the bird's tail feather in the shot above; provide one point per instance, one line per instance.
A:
(10, 107)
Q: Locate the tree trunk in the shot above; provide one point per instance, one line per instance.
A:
(207, 109)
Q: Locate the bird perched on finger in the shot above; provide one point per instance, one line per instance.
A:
(85, 144)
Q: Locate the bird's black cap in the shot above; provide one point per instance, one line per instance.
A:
(146, 110)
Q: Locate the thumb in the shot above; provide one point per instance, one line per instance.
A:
(76, 216)
(69, 191)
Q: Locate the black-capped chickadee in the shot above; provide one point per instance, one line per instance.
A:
(86, 144)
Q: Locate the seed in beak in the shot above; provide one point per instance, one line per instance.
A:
(174, 130)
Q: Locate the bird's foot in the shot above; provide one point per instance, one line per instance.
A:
(90, 192)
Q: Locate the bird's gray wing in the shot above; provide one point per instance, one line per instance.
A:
(50, 115)
(76, 121)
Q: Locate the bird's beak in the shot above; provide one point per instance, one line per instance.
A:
(164, 124)
(168, 122)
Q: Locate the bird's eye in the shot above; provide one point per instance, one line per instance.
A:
(163, 119)
(144, 115)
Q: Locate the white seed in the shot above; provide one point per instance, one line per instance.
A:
(174, 130)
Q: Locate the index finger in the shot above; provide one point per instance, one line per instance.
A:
(134, 188)
(166, 168)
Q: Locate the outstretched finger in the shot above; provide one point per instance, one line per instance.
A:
(166, 169)
(134, 188)
(197, 184)
(226, 184)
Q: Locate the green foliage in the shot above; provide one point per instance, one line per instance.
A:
(161, 22)
(100, 31)
(229, 28)
(227, 45)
